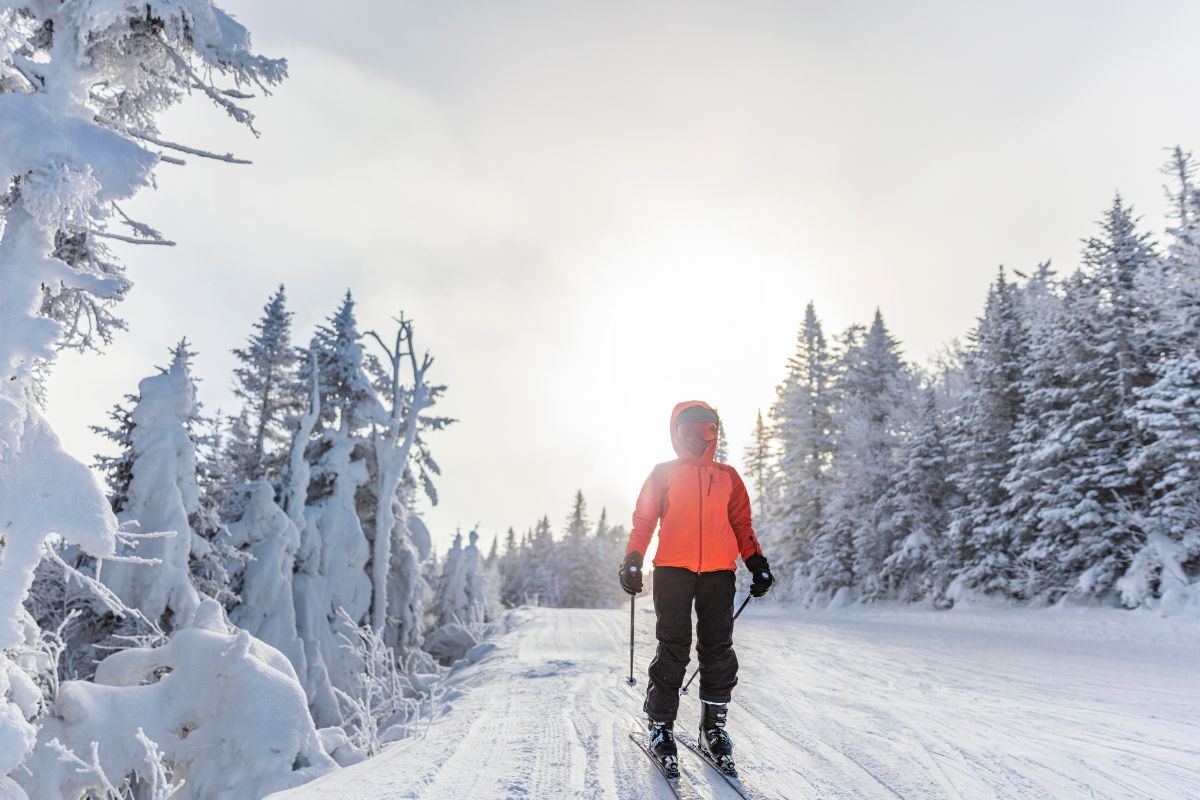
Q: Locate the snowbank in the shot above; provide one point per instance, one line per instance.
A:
(226, 711)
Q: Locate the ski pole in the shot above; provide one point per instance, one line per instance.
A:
(696, 671)
(632, 680)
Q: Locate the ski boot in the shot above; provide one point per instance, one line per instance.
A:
(662, 745)
(713, 739)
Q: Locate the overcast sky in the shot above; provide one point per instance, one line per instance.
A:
(595, 210)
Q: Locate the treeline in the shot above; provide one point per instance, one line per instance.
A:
(576, 570)
(1053, 454)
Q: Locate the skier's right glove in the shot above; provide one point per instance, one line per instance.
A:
(760, 572)
(631, 573)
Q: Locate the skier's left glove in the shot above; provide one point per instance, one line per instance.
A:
(760, 572)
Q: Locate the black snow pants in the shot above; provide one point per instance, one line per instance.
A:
(675, 590)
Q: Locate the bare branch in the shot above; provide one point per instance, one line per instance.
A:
(239, 114)
(182, 148)
(105, 595)
(131, 239)
(138, 227)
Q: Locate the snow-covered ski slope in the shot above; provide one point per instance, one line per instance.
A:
(855, 703)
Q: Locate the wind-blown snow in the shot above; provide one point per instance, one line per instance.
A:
(857, 703)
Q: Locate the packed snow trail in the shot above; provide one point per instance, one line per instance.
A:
(857, 703)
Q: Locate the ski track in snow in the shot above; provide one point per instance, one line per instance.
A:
(892, 703)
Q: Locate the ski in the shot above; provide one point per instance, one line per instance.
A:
(680, 785)
(743, 787)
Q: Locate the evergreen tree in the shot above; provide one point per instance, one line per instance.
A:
(1070, 479)
(117, 469)
(478, 608)
(461, 596)
(759, 465)
(575, 563)
(348, 398)
(265, 380)
(542, 585)
(721, 454)
(215, 563)
(983, 437)
(162, 495)
(802, 424)
(603, 529)
(920, 501)
(511, 570)
(331, 582)
(870, 385)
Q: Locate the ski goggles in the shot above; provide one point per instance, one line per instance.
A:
(706, 431)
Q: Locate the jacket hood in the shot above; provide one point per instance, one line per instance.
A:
(707, 456)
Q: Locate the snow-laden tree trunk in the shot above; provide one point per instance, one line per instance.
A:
(299, 473)
(393, 449)
(267, 605)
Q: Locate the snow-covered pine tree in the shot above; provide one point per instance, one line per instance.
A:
(575, 563)
(543, 584)
(871, 384)
(759, 465)
(1166, 568)
(511, 572)
(268, 540)
(1177, 299)
(721, 454)
(334, 550)
(830, 550)
(479, 607)
(981, 439)
(162, 497)
(1073, 477)
(608, 546)
(452, 601)
(461, 602)
(920, 500)
(116, 468)
(802, 426)
(603, 529)
(215, 562)
(265, 381)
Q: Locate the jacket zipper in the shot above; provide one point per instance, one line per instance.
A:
(700, 516)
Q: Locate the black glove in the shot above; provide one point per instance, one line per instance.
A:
(631, 573)
(760, 571)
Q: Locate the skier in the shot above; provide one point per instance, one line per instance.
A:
(702, 513)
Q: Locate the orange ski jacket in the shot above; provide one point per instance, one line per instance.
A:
(700, 507)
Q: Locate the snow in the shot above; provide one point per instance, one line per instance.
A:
(861, 702)
(162, 495)
(225, 710)
(43, 490)
(267, 609)
(35, 135)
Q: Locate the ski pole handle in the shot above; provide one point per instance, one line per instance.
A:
(632, 681)
(696, 671)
